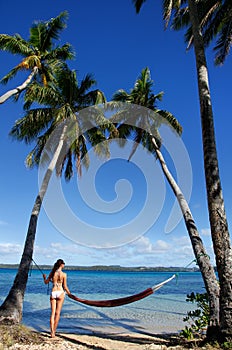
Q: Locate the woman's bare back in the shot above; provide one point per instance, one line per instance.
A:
(58, 280)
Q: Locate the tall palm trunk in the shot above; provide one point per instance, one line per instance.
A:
(217, 215)
(202, 258)
(12, 307)
(19, 88)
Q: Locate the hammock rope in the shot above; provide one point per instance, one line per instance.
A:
(122, 301)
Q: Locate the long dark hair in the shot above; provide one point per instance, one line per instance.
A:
(56, 266)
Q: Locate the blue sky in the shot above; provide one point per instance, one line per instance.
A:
(115, 44)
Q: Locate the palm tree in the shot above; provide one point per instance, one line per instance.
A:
(62, 103)
(217, 215)
(146, 132)
(12, 307)
(40, 57)
(215, 18)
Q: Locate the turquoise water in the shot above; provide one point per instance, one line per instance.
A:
(160, 312)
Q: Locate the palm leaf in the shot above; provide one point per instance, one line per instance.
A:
(223, 44)
(15, 45)
(32, 124)
(171, 120)
(10, 75)
(138, 4)
(42, 33)
(63, 53)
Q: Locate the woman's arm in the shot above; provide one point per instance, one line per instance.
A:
(46, 280)
(65, 284)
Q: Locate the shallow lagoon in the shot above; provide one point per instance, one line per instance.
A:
(160, 312)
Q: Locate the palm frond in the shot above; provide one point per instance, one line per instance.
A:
(32, 124)
(56, 25)
(67, 84)
(43, 33)
(223, 46)
(167, 11)
(86, 83)
(138, 4)
(220, 26)
(91, 98)
(83, 156)
(98, 97)
(137, 138)
(69, 168)
(181, 20)
(10, 75)
(44, 95)
(121, 95)
(34, 157)
(65, 162)
(61, 53)
(206, 11)
(138, 118)
(15, 45)
(170, 120)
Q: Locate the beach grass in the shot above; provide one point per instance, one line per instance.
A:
(20, 334)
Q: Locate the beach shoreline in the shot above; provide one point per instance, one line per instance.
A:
(20, 337)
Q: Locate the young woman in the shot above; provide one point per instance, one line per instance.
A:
(59, 280)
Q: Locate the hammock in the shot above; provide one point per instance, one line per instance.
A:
(121, 301)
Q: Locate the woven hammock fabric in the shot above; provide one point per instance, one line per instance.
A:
(121, 301)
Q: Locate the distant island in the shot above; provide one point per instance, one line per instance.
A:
(111, 268)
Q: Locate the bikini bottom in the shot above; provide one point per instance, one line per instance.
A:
(56, 294)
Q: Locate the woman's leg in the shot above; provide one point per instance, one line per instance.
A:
(52, 317)
(59, 304)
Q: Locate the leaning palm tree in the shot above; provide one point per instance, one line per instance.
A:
(144, 130)
(40, 57)
(217, 215)
(61, 104)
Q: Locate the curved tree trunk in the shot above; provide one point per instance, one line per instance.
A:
(202, 258)
(217, 216)
(19, 88)
(12, 307)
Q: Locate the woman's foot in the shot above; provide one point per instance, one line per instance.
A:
(52, 334)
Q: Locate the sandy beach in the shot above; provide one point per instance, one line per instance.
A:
(23, 338)
(86, 342)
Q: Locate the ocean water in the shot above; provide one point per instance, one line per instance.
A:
(161, 312)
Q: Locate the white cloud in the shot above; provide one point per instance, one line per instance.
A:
(173, 251)
(144, 246)
(10, 253)
(206, 232)
(56, 250)
(141, 252)
(9, 248)
(182, 241)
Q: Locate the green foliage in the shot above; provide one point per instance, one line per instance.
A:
(197, 319)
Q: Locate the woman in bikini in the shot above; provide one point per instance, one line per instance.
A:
(59, 280)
